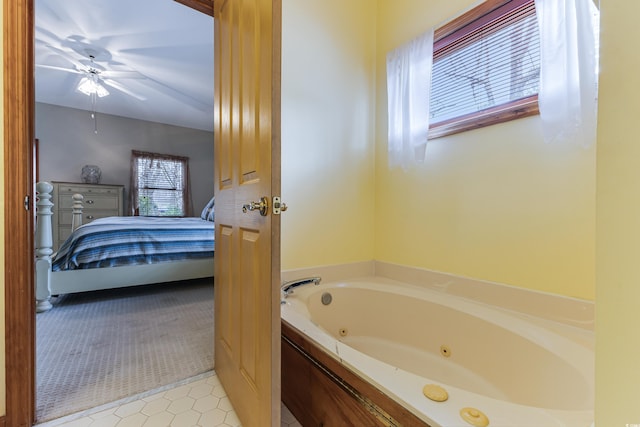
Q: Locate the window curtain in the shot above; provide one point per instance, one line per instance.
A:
(567, 97)
(408, 92)
(143, 162)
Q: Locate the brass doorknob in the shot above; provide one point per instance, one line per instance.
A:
(262, 206)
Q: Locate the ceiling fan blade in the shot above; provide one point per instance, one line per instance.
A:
(123, 89)
(68, 56)
(115, 74)
(45, 36)
(52, 67)
(88, 63)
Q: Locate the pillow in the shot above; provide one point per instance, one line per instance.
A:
(208, 212)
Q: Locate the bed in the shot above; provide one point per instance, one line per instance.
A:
(116, 252)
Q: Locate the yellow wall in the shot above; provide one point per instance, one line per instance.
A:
(497, 203)
(457, 203)
(328, 97)
(618, 219)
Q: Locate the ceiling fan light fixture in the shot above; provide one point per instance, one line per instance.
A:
(91, 86)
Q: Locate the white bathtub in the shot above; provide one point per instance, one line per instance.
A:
(516, 369)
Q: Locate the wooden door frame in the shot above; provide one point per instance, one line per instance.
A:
(19, 137)
(19, 111)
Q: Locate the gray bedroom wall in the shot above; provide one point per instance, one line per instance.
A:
(67, 142)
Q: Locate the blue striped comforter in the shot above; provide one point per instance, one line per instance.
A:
(130, 240)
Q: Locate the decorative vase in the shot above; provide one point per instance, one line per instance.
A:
(91, 174)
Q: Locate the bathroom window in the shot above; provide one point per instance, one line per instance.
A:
(486, 67)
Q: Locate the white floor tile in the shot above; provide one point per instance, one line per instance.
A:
(201, 403)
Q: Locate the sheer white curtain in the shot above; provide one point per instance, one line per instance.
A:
(408, 87)
(567, 97)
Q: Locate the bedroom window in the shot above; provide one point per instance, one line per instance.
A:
(159, 185)
(486, 67)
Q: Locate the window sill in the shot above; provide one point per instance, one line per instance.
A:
(499, 114)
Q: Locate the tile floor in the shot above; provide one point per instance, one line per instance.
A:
(200, 402)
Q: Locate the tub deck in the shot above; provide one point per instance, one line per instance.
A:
(542, 375)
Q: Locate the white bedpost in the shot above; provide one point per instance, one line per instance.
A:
(76, 211)
(44, 241)
(44, 245)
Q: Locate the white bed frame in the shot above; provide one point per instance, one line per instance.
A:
(50, 283)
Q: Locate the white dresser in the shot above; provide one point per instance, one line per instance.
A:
(99, 201)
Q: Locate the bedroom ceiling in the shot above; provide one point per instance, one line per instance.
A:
(155, 57)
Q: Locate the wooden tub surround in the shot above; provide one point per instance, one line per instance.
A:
(320, 391)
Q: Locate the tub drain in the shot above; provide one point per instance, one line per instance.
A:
(326, 298)
(343, 332)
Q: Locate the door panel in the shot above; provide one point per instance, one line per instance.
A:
(247, 155)
(223, 320)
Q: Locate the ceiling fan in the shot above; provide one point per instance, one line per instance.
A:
(95, 75)
(159, 51)
(90, 65)
(134, 68)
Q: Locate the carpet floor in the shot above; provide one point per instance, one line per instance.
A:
(98, 347)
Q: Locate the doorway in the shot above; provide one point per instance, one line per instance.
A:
(19, 170)
(19, 194)
(134, 55)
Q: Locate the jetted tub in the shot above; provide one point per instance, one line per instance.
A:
(516, 369)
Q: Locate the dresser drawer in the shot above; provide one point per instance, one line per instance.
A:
(87, 217)
(91, 201)
(82, 189)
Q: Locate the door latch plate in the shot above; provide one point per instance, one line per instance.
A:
(278, 206)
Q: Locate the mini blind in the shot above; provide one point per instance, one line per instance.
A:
(493, 60)
(160, 182)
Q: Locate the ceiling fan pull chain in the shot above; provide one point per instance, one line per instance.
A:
(94, 115)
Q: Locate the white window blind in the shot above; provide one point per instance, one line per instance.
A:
(159, 184)
(492, 61)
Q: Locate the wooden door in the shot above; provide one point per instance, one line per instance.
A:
(247, 168)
